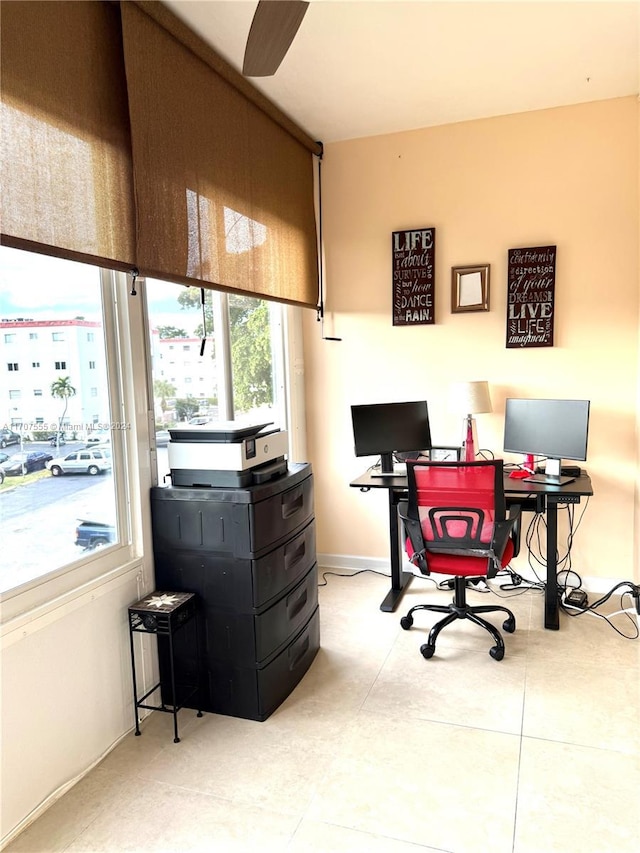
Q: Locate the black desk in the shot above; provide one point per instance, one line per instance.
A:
(533, 497)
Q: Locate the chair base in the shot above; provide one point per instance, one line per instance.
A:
(459, 609)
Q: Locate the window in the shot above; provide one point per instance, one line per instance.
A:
(186, 347)
(58, 336)
(240, 373)
(40, 557)
(12, 366)
(35, 364)
(92, 365)
(33, 336)
(10, 339)
(90, 336)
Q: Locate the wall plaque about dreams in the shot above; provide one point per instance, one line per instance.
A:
(530, 297)
(413, 264)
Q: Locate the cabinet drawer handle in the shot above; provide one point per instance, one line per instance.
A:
(300, 603)
(293, 557)
(303, 650)
(292, 504)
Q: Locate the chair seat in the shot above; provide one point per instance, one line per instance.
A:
(450, 564)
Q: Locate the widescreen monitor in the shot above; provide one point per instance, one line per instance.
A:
(382, 429)
(555, 429)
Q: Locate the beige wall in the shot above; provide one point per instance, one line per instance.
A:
(566, 176)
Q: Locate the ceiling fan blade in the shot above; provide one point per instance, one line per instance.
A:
(273, 28)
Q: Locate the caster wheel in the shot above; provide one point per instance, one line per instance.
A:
(497, 652)
(427, 651)
(406, 622)
(509, 625)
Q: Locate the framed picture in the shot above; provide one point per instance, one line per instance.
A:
(469, 289)
(445, 454)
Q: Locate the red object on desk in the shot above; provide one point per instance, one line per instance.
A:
(469, 449)
(520, 474)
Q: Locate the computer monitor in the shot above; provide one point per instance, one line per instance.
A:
(387, 428)
(556, 429)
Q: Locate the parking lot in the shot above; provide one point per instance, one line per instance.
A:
(39, 514)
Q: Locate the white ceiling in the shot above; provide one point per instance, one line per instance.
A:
(364, 67)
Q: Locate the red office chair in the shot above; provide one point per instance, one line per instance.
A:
(456, 524)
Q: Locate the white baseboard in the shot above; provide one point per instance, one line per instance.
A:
(357, 564)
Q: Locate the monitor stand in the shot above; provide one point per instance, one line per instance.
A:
(548, 480)
(388, 468)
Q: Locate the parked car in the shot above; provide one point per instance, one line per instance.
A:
(94, 534)
(1, 476)
(100, 436)
(88, 461)
(26, 462)
(4, 457)
(8, 436)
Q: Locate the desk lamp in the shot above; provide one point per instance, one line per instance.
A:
(470, 398)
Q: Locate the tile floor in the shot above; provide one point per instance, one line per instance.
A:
(379, 750)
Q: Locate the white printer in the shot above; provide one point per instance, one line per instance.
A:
(226, 453)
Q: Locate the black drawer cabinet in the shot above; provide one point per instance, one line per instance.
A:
(250, 555)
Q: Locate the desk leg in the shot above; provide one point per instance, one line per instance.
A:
(399, 580)
(551, 613)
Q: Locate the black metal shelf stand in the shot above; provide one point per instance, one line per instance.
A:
(164, 613)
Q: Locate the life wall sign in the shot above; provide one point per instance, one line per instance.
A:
(531, 285)
(413, 262)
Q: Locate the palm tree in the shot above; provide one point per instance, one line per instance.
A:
(62, 389)
(163, 389)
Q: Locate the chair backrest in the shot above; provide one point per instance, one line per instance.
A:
(457, 484)
(456, 512)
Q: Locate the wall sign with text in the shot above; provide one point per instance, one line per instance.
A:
(531, 282)
(414, 270)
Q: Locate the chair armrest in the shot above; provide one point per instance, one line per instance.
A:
(413, 530)
(505, 530)
(515, 515)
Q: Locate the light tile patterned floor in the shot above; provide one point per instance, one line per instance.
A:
(379, 750)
